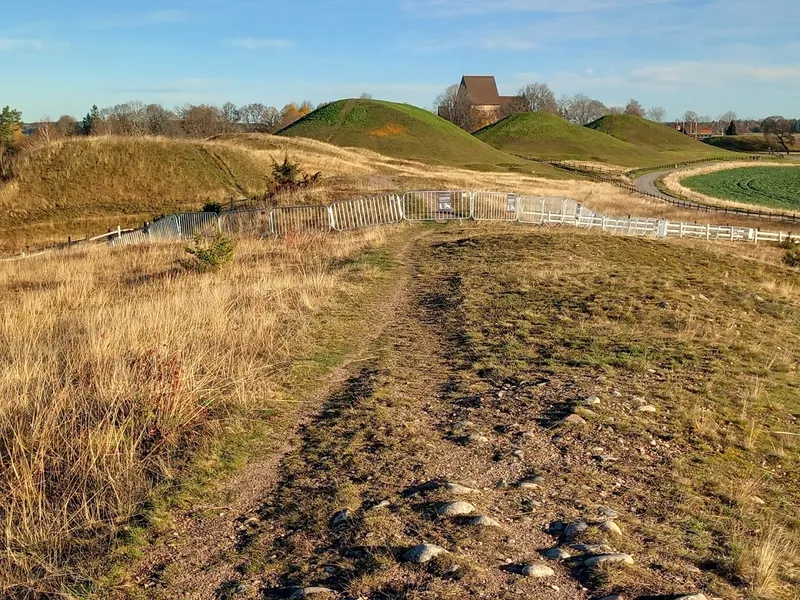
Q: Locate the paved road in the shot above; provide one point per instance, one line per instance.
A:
(647, 183)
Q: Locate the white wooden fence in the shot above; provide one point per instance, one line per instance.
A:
(427, 205)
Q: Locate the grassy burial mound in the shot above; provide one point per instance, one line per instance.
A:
(87, 185)
(653, 139)
(400, 131)
(543, 135)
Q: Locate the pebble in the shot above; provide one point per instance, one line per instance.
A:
(310, 591)
(528, 484)
(557, 554)
(607, 512)
(604, 458)
(575, 419)
(616, 394)
(459, 490)
(647, 408)
(611, 527)
(484, 521)
(757, 500)
(340, 517)
(476, 438)
(591, 401)
(423, 553)
(574, 529)
(519, 454)
(602, 559)
(381, 504)
(592, 548)
(456, 509)
(536, 571)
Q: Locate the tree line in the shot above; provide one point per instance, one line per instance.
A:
(580, 109)
(191, 120)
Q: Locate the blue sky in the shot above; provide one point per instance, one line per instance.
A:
(709, 56)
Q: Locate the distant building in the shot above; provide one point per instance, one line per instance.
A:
(485, 103)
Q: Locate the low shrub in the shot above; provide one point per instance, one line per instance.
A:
(209, 255)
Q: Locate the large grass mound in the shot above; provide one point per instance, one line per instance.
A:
(400, 131)
(88, 185)
(659, 139)
(547, 136)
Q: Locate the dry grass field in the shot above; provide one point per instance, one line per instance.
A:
(120, 370)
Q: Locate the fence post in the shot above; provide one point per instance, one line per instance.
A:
(219, 225)
(272, 222)
(331, 219)
(177, 226)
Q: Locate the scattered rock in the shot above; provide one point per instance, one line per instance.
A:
(528, 484)
(757, 500)
(519, 454)
(639, 400)
(380, 505)
(310, 591)
(459, 490)
(456, 509)
(704, 299)
(557, 554)
(423, 553)
(477, 439)
(604, 559)
(592, 548)
(616, 394)
(647, 408)
(463, 425)
(340, 517)
(484, 521)
(591, 401)
(607, 512)
(501, 485)
(692, 597)
(536, 571)
(611, 527)
(575, 529)
(556, 528)
(575, 419)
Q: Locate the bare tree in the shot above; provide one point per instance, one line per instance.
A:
(366, 96)
(453, 105)
(161, 121)
(634, 107)
(778, 130)
(257, 117)
(657, 114)
(536, 97)
(690, 121)
(200, 121)
(67, 126)
(580, 109)
(230, 117)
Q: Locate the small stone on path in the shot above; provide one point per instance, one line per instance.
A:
(484, 521)
(607, 512)
(456, 509)
(575, 419)
(536, 571)
(611, 527)
(423, 553)
(591, 401)
(574, 529)
(603, 559)
(557, 554)
(459, 490)
(311, 591)
(647, 408)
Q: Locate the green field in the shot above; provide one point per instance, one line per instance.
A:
(406, 132)
(622, 140)
(747, 142)
(774, 187)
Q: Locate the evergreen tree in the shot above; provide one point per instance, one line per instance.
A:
(92, 117)
(10, 126)
(731, 130)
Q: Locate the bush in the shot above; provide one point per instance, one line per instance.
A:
(288, 177)
(212, 207)
(792, 256)
(209, 255)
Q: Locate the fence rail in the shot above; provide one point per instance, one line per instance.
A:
(414, 206)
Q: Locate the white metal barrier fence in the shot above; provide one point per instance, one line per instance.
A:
(437, 205)
(422, 206)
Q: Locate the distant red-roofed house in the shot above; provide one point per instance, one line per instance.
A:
(484, 100)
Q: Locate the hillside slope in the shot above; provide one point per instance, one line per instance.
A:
(399, 131)
(543, 135)
(668, 143)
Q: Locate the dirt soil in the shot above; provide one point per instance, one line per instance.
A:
(433, 397)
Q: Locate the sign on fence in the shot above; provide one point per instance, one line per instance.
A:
(437, 205)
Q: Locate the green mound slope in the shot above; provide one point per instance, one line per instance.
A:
(543, 135)
(748, 142)
(659, 139)
(400, 131)
(85, 186)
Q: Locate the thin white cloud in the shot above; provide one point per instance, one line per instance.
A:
(260, 43)
(8, 44)
(131, 21)
(454, 8)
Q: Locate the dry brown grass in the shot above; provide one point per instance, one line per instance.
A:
(117, 369)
